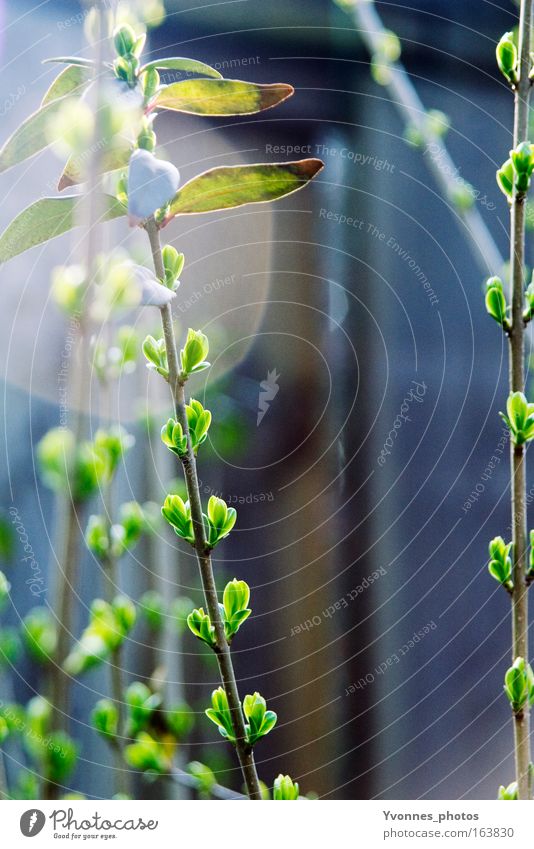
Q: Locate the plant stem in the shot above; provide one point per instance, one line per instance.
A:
(222, 649)
(66, 580)
(517, 382)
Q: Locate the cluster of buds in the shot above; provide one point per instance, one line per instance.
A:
(109, 625)
(198, 420)
(258, 720)
(105, 541)
(129, 47)
(515, 172)
(193, 354)
(234, 611)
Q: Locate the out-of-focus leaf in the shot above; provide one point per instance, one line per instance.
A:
(179, 63)
(45, 219)
(110, 160)
(230, 186)
(220, 97)
(71, 80)
(32, 136)
(69, 60)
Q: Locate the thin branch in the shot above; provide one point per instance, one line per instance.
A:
(413, 113)
(222, 649)
(517, 384)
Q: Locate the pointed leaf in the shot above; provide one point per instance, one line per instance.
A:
(110, 160)
(71, 80)
(69, 60)
(179, 63)
(220, 97)
(31, 137)
(230, 186)
(45, 219)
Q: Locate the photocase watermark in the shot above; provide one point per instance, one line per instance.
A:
(18, 723)
(391, 242)
(415, 394)
(207, 289)
(392, 659)
(358, 157)
(73, 21)
(492, 464)
(36, 581)
(437, 155)
(63, 372)
(341, 603)
(268, 391)
(7, 104)
(236, 498)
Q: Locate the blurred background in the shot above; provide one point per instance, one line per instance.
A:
(351, 315)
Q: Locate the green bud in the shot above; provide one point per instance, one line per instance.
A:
(105, 718)
(522, 158)
(4, 730)
(193, 354)
(124, 39)
(205, 777)
(500, 565)
(200, 625)
(96, 536)
(173, 263)
(5, 588)
(146, 754)
(495, 300)
(62, 755)
(125, 613)
(69, 284)
(285, 789)
(518, 684)
(507, 59)
(178, 514)
(152, 609)
(235, 609)
(9, 646)
(40, 634)
(112, 445)
(156, 354)
(219, 713)
(505, 179)
(127, 532)
(198, 420)
(173, 437)
(519, 418)
(141, 704)
(220, 520)
(259, 720)
(509, 793)
(179, 720)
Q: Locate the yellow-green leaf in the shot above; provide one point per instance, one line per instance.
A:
(32, 136)
(220, 97)
(45, 219)
(71, 80)
(75, 170)
(179, 63)
(231, 186)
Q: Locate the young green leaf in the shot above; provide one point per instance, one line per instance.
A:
(230, 186)
(220, 97)
(44, 220)
(33, 135)
(179, 63)
(71, 80)
(115, 157)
